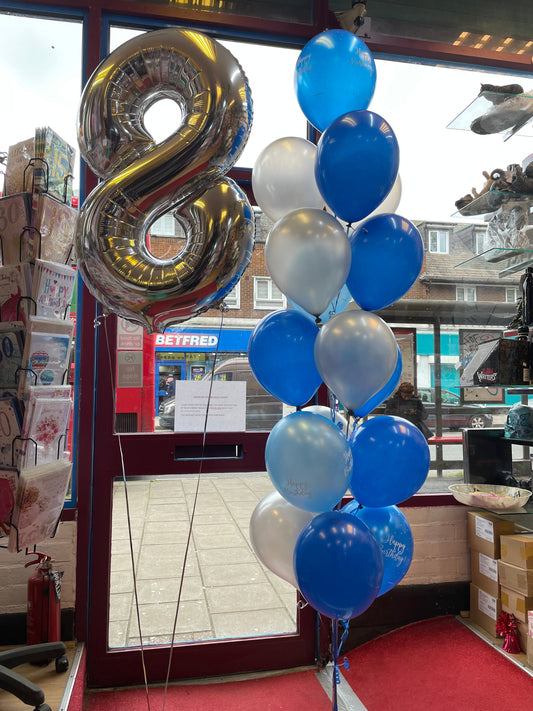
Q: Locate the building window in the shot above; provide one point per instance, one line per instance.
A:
(165, 226)
(511, 294)
(438, 241)
(465, 293)
(233, 299)
(267, 295)
(479, 241)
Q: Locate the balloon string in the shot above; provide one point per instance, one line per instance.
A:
(193, 513)
(336, 652)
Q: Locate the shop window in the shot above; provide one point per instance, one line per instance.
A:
(438, 241)
(267, 296)
(465, 293)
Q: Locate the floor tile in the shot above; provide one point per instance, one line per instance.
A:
(159, 618)
(233, 574)
(232, 598)
(223, 556)
(249, 624)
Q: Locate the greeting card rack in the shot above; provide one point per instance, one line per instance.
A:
(41, 164)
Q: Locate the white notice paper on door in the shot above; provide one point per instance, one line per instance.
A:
(224, 401)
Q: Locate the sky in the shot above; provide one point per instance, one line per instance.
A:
(438, 165)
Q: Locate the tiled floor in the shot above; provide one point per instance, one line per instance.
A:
(226, 591)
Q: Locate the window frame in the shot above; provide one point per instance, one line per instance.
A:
(465, 288)
(440, 232)
(274, 306)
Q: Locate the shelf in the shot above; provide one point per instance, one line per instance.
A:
(502, 260)
(491, 201)
(508, 114)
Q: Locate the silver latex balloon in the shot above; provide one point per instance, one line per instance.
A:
(275, 525)
(308, 256)
(143, 180)
(356, 354)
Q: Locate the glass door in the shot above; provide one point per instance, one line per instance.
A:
(175, 587)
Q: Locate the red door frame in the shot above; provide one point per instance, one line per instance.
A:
(98, 450)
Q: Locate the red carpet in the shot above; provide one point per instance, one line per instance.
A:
(291, 692)
(434, 665)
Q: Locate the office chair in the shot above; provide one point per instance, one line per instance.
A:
(39, 654)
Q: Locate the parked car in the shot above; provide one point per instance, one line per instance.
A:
(455, 415)
(263, 410)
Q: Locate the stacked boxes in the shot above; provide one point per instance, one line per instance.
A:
(484, 534)
(515, 570)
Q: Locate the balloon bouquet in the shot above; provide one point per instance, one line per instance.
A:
(341, 559)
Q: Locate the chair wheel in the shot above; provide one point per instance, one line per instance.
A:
(61, 664)
(43, 707)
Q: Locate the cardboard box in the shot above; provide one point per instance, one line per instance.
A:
(484, 609)
(484, 531)
(485, 573)
(515, 603)
(529, 650)
(515, 578)
(523, 635)
(517, 549)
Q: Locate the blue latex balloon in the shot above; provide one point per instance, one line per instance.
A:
(309, 461)
(390, 461)
(387, 256)
(335, 73)
(385, 391)
(391, 530)
(281, 355)
(337, 306)
(338, 565)
(356, 164)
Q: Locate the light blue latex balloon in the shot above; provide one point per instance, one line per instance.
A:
(356, 354)
(356, 164)
(335, 73)
(281, 355)
(390, 461)
(391, 530)
(338, 565)
(387, 256)
(384, 393)
(337, 306)
(309, 461)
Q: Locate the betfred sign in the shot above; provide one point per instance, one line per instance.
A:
(186, 340)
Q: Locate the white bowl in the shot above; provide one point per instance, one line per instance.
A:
(491, 496)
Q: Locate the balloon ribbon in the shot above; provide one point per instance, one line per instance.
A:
(336, 651)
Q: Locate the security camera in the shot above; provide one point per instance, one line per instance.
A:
(353, 19)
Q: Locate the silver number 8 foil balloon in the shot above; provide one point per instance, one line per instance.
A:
(142, 180)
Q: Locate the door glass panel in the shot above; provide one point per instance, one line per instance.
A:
(227, 591)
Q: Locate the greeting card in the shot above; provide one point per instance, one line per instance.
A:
(39, 501)
(55, 164)
(56, 224)
(11, 349)
(15, 292)
(10, 430)
(17, 238)
(46, 353)
(8, 488)
(53, 287)
(44, 433)
(19, 175)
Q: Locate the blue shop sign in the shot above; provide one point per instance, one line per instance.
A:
(202, 340)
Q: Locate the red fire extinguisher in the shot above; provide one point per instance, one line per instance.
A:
(44, 602)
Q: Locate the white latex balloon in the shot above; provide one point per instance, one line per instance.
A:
(356, 354)
(283, 177)
(337, 419)
(308, 256)
(274, 529)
